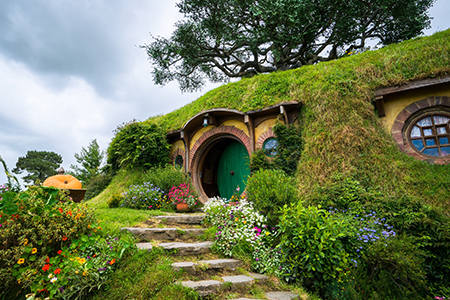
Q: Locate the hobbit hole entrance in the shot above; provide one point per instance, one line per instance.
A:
(223, 166)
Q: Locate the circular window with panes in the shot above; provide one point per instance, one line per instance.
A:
(270, 147)
(430, 134)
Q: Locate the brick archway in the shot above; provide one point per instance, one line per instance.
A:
(263, 137)
(216, 132)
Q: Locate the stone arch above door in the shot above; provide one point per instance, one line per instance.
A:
(215, 132)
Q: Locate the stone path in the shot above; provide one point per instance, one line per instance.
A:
(169, 239)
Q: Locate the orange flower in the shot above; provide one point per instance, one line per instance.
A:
(47, 260)
(45, 268)
(64, 238)
(69, 213)
(113, 261)
(33, 251)
(57, 271)
(60, 210)
(59, 252)
(21, 261)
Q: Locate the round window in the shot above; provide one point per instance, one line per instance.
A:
(178, 162)
(429, 135)
(270, 147)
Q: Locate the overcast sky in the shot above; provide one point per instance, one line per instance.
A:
(72, 71)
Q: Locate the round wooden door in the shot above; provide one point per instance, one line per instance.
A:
(233, 169)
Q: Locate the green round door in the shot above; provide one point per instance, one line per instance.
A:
(233, 169)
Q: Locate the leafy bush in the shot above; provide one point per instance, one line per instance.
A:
(144, 196)
(270, 190)
(138, 145)
(289, 149)
(38, 227)
(165, 177)
(311, 246)
(97, 184)
(115, 200)
(259, 161)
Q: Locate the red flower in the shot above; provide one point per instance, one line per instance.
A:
(47, 260)
(60, 210)
(45, 268)
(64, 238)
(69, 212)
(59, 252)
(57, 271)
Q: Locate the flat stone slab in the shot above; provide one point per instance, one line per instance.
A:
(161, 234)
(214, 264)
(281, 295)
(187, 248)
(187, 266)
(239, 280)
(261, 278)
(145, 246)
(204, 287)
(181, 219)
(231, 264)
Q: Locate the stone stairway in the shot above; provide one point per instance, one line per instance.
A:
(180, 240)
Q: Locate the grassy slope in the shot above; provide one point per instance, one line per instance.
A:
(341, 133)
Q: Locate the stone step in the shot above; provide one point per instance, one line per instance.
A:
(162, 234)
(191, 267)
(144, 246)
(281, 296)
(184, 249)
(204, 287)
(181, 219)
(208, 287)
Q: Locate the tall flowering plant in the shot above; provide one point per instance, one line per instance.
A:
(183, 194)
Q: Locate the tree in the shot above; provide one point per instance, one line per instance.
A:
(90, 159)
(138, 145)
(39, 165)
(222, 39)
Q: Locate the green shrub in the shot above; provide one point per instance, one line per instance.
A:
(165, 177)
(311, 246)
(289, 149)
(97, 184)
(259, 161)
(270, 190)
(115, 200)
(392, 269)
(144, 196)
(138, 145)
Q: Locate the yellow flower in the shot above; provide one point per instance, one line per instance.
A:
(236, 219)
(76, 272)
(21, 261)
(85, 273)
(267, 233)
(245, 222)
(33, 251)
(82, 260)
(25, 242)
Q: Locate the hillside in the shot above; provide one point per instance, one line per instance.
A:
(341, 132)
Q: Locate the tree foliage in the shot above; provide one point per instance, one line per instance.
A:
(90, 159)
(139, 146)
(38, 164)
(222, 39)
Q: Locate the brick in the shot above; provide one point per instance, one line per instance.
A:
(398, 126)
(422, 103)
(403, 115)
(412, 108)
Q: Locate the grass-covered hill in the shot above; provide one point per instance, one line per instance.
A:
(340, 130)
